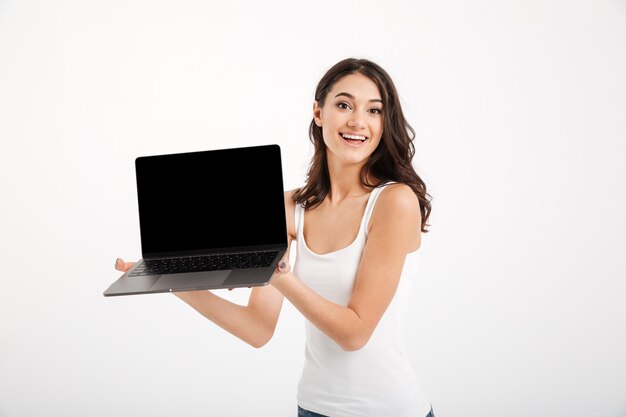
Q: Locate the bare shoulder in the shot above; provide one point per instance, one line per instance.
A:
(288, 195)
(396, 203)
(399, 197)
(290, 212)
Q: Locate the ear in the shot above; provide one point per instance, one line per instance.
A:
(317, 113)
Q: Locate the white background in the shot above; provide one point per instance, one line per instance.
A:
(520, 114)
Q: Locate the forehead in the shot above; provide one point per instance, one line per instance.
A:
(358, 85)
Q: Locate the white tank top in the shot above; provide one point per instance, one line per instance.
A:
(376, 380)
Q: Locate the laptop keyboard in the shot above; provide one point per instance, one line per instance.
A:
(205, 263)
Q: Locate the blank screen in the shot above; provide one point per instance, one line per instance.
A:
(209, 200)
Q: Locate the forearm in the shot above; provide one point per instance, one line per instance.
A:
(241, 321)
(342, 324)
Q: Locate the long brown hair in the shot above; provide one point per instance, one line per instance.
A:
(391, 161)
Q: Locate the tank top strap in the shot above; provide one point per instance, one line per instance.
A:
(371, 202)
(299, 223)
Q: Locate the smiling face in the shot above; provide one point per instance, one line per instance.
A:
(351, 119)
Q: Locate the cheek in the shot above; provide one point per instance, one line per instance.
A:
(379, 135)
(380, 125)
(379, 129)
(327, 135)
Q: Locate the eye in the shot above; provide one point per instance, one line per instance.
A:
(343, 106)
(376, 111)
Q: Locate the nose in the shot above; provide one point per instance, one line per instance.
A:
(356, 121)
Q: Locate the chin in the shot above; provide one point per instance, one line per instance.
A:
(349, 156)
(355, 159)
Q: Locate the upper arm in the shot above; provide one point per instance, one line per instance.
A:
(395, 221)
(267, 301)
(290, 212)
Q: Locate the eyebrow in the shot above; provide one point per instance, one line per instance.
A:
(352, 97)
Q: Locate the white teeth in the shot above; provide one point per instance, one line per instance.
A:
(358, 137)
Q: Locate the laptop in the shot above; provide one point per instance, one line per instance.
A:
(208, 220)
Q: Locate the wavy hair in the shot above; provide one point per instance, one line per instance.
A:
(392, 159)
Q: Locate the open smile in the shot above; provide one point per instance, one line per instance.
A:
(353, 139)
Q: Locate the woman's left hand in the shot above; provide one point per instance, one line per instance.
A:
(283, 268)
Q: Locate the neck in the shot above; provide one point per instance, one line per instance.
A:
(344, 181)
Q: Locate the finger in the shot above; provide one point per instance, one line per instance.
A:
(120, 265)
(283, 266)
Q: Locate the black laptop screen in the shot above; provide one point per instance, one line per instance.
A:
(210, 200)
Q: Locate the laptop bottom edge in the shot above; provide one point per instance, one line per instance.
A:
(191, 281)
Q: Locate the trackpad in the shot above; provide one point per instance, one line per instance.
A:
(191, 281)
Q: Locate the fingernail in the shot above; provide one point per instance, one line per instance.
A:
(283, 265)
(117, 261)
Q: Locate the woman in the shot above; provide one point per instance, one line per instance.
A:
(357, 221)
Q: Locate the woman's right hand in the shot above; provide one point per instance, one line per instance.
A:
(120, 265)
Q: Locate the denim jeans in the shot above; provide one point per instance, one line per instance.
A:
(306, 413)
